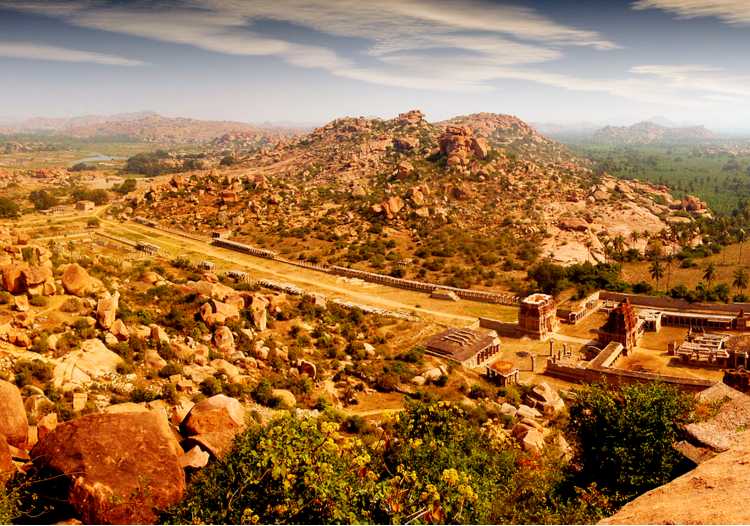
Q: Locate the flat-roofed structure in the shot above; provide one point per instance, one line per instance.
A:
(469, 347)
(537, 317)
(503, 372)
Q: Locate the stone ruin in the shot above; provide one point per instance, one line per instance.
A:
(623, 326)
(537, 317)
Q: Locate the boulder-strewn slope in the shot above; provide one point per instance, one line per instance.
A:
(466, 187)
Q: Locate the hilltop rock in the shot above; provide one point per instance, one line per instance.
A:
(122, 467)
(13, 422)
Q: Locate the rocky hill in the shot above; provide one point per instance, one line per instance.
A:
(652, 133)
(150, 127)
(458, 201)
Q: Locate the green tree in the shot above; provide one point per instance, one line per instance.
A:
(42, 199)
(625, 437)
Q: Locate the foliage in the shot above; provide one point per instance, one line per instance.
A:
(42, 199)
(8, 208)
(553, 279)
(625, 437)
(434, 463)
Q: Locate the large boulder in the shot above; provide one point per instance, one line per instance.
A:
(217, 312)
(34, 279)
(6, 462)
(78, 368)
(259, 311)
(122, 468)
(76, 280)
(12, 279)
(214, 422)
(106, 309)
(120, 330)
(546, 399)
(13, 422)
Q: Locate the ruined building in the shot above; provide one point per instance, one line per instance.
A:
(537, 317)
(622, 326)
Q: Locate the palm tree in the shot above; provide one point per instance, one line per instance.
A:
(740, 280)
(635, 236)
(709, 274)
(741, 235)
(669, 264)
(619, 245)
(656, 271)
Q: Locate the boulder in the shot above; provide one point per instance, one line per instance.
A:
(120, 330)
(214, 422)
(525, 411)
(7, 468)
(106, 310)
(217, 312)
(22, 303)
(76, 280)
(12, 279)
(223, 339)
(122, 468)
(546, 399)
(158, 334)
(259, 311)
(78, 368)
(13, 423)
(35, 277)
(195, 458)
(152, 359)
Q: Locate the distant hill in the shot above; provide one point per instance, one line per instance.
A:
(146, 127)
(458, 201)
(651, 133)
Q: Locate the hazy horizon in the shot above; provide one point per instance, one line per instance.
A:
(306, 63)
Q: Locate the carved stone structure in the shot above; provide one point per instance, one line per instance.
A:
(537, 317)
(623, 326)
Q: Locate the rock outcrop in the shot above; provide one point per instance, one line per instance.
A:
(122, 467)
(712, 493)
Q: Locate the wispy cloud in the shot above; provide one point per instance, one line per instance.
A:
(445, 45)
(730, 11)
(32, 51)
(400, 37)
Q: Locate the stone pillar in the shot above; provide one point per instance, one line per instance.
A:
(533, 363)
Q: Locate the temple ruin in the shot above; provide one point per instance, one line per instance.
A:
(537, 317)
(622, 326)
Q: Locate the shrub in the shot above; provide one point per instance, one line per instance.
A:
(625, 436)
(38, 301)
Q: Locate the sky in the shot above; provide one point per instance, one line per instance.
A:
(310, 61)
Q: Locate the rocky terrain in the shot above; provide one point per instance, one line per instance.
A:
(120, 377)
(652, 133)
(438, 194)
(149, 127)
